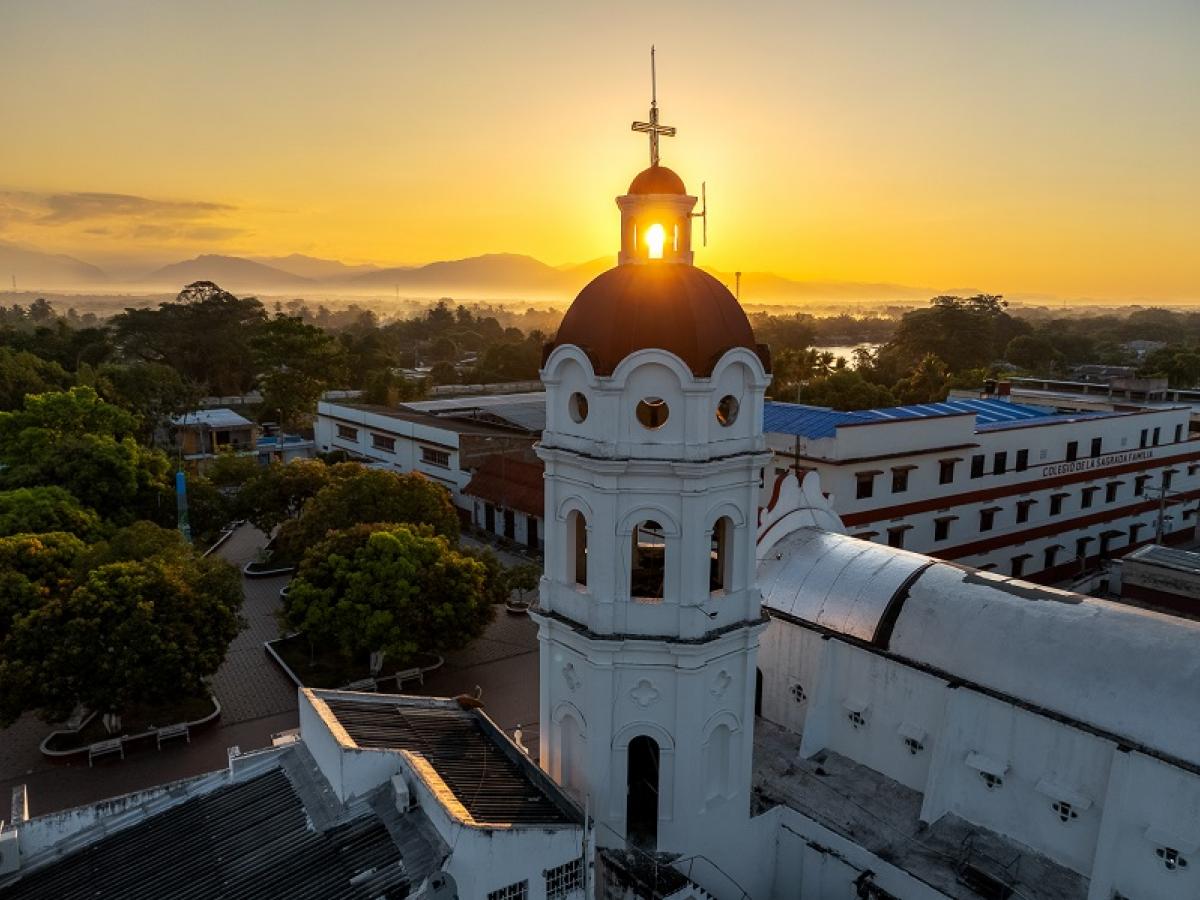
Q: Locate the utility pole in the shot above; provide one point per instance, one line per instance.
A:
(1163, 493)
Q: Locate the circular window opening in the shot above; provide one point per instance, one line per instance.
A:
(652, 412)
(727, 410)
(578, 407)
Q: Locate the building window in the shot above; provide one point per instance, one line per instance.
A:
(577, 548)
(1133, 532)
(1157, 432)
(1110, 491)
(946, 471)
(1144, 438)
(346, 433)
(1072, 451)
(1022, 460)
(1105, 541)
(648, 565)
(977, 462)
(1000, 464)
(562, 880)
(1023, 510)
(1018, 565)
(1048, 556)
(1056, 503)
(1097, 446)
(433, 457)
(1085, 500)
(1081, 547)
(1139, 485)
(383, 442)
(1167, 475)
(899, 481)
(941, 529)
(987, 518)
(518, 891)
(865, 485)
(1178, 433)
(510, 524)
(896, 536)
(720, 565)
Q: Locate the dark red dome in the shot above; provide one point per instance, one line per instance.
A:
(669, 306)
(657, 180)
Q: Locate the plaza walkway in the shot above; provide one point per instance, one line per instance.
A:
(257, 700)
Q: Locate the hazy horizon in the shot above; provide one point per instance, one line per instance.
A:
(1031, 149)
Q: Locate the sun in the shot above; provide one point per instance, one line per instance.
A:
(656, 236)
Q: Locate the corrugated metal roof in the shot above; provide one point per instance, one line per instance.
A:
(822, 422)
(249, 839)
(212, 418)
(490, 783)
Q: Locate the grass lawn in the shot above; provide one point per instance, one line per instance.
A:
(136, 720)
(327, 669)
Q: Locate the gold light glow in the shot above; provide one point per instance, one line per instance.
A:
(656, 236)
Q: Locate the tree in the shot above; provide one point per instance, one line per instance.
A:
(232, 470)
(276, 492)
(391, 589)
(963, 333)
(154, 392)
(366, 496)
(444, 373)
(75, 440)
(926, 384)
(1032, 352)
(41, 509)
(296, 362)
(130, 632)
(845, 390)
(23, 373)
(204, 333)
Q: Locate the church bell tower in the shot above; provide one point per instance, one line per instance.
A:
(648, 615)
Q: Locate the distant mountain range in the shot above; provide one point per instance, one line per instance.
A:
(31, 268)
(494, 276)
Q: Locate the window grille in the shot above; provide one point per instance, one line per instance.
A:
(518, 891)
(562, 880)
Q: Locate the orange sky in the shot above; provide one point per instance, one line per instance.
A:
(1023, 147)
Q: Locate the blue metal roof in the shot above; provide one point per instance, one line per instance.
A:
(822, 422)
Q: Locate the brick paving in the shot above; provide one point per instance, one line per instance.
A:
(257, 701)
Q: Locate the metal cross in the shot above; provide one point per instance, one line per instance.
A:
(652, 127)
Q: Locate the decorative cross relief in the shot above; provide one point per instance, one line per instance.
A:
(721, 684)
(571, 677)
(644, 693)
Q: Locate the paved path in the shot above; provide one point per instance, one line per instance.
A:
(258, 701)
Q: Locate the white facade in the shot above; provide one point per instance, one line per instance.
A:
(676, 666)
(998, 701)
(1041, 497)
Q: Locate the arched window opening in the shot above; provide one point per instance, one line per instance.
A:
(641, 785)
(570, 744)
(675, 240)
(649, 561)
(716, 763)
(576, 548)
(720, 555)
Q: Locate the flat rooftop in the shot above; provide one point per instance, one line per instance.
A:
(883, 816)
(419, 417)
(486, 774)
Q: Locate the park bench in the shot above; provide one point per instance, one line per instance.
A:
(409, 675)
(105, 748)
(363, 684)
(173, 731)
